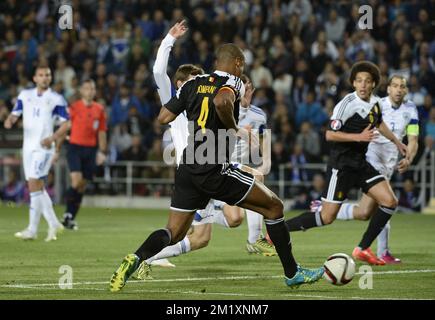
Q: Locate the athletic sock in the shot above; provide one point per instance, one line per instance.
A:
(73, 201)
(35, 210)
(48, 211)
(383, 238)
(280, 237)
(346, 211)
(78, 204)
(305, 221)
(255, 225)
(180, 247)
(156, 241)
(377, 223)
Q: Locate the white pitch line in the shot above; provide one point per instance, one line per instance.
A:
(39, 285)
(235, 294)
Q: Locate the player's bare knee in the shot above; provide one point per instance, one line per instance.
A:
(327, 218)
(176, 236)
(276, 210)
(235, 221)
(390, 202)
(364, 215)
(203, 242)
(198, 241)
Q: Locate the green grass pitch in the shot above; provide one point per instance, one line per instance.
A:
(223, 270)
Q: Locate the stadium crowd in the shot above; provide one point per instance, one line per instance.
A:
(298, 55)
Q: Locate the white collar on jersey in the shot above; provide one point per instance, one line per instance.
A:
(373, 98)
(392, 105)
(43, 93)
(223, 73)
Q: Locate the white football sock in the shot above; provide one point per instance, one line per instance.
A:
(48, 211)
(180, 247)
(255, 225)
(219, 218)
(35, 211)
(383, 239)
(346, 211)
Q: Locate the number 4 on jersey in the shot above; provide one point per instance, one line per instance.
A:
(202, 119)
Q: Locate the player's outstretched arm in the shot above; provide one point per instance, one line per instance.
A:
(160, 65)
(165, 116)
(412, 151)
(266, 152)
(339, 136)
(10, 121)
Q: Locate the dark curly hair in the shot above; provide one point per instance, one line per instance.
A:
(365, 66)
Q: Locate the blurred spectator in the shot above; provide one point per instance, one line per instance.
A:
(409, 198)
(283, 83)
(64, 73)
(335, 27)
(13, 190)
(319, 184)
(309, 140)
(310, 111)
(260, 75)
(304, 197)
(330, 48)
(122, 104)
(297, 159)
(416, 92)
(301, 8)
(429, 134)
(424, 110)
(300, 90)
(279, 156)
(136, 152)
(120, 139)
(4, 112)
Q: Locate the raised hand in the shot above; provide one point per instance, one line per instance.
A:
(46, 143)
(403, 149)
(368, 134)
(249, 91)
(179, 29)
(403, 165)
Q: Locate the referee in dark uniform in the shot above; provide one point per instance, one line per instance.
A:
(212, 106)
(87, 148)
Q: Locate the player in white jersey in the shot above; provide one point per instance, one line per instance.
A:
(255, 119)
(41, 109)
(401, 117)
(179, 135)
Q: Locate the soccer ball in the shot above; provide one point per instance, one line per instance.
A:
(339, 269)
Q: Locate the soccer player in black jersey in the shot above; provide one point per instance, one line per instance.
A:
(212, 105)
(353, 125)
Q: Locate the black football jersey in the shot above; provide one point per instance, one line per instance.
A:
(207, 144)
(352, 115)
